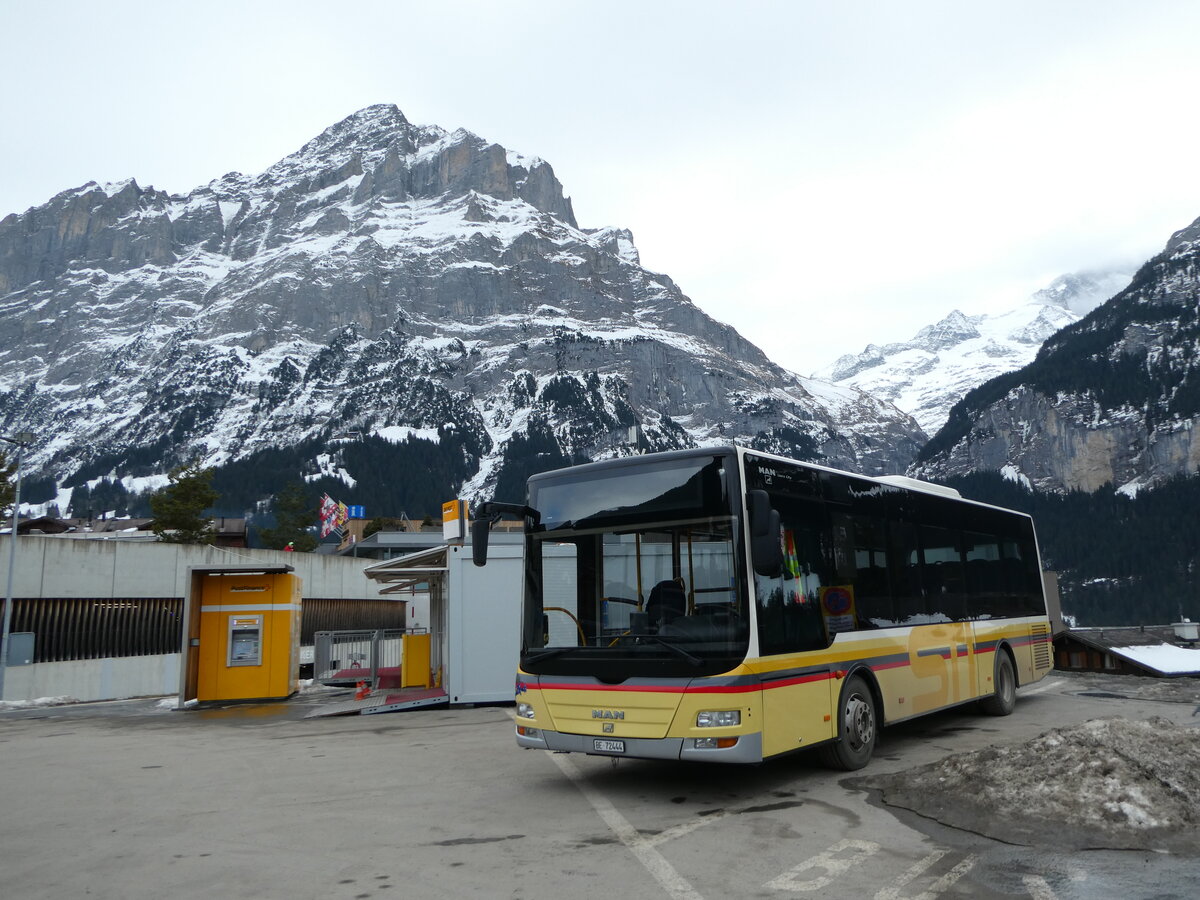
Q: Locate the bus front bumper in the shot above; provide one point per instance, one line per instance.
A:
(748, 748)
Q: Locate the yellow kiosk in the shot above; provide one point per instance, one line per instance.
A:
(242, 635)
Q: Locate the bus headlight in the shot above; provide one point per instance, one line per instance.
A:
(524, 711)
(718, 718)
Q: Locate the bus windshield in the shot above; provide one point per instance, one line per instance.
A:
(633, 572)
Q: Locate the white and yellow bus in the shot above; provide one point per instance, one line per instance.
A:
(726, 605)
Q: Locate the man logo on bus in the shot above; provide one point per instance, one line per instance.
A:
(607, 714)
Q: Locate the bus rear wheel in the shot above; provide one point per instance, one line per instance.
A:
(856, 728)
(1004, 700)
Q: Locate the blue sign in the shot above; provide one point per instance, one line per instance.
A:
(356, 512)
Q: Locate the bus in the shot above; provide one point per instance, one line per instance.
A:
(728, 605)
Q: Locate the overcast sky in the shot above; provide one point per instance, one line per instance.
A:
(819, 175)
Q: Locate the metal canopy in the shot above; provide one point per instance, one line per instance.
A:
(241, 570)
(406, 572)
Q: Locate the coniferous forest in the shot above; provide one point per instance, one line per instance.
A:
(1121, 560)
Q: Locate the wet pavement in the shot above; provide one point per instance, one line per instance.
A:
(131, 800)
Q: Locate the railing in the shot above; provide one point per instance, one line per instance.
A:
(347, 657)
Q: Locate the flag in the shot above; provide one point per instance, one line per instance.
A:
(329, 510)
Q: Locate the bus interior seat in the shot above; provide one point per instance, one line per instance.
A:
(666, 601)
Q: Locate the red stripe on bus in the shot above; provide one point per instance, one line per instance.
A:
(799, 679)
(649, 688)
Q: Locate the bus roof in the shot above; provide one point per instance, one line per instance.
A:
(896, 481)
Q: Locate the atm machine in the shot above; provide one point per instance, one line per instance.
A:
(242, 634)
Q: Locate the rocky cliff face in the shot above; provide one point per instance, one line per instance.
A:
(390, 280)
(1113, 399)
(927, 375)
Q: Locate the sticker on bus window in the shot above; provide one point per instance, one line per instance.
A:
(837, 608)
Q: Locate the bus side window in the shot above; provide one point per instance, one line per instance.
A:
(872, 592)
(905, 558)
(942, 574)
(985, 576)
(1024, 580)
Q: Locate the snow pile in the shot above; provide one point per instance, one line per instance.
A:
(173, 703)
(1111, 783)
(33, 704)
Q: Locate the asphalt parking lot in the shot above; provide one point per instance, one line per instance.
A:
(130, 800)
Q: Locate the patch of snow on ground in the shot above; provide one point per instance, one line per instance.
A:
(1109, 782)
(40, 701)
(1012, 473)
(1130, 489)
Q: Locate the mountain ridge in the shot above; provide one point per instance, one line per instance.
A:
(385, 279)
(1111, 399)
(927, 374)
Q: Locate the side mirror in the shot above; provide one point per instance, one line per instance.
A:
(480, 528)
(766, 535)
(489, 512)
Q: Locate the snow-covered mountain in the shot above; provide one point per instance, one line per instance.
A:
(927, 375)
(399, 283)
(1112, 400)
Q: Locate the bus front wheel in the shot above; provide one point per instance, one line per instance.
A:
(856, 728)
(1002, 702)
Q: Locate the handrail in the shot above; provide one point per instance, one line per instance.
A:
(582, 636)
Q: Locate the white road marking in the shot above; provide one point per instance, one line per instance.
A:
(678, 831)
(656, 864)
(1037, 887)
(948, 879)
(892, 892)
(830, 861)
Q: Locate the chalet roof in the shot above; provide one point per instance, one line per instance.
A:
(43, 525)
(1155, 648)
(1127, 636)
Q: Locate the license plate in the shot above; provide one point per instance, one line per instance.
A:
(608, 746)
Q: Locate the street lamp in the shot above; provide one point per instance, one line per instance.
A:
(22, 440)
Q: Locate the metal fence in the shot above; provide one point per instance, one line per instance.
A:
(347, 657)
(73, 628)
(340, 615)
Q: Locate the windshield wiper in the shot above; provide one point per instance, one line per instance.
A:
(551, 652)
(546, 654)
(674, 648)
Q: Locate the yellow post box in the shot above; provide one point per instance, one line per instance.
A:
(248, 646)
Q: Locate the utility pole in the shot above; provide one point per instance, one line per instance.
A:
(22, 440)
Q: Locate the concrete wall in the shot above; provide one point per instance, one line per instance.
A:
(95, 679)
(55, 567)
